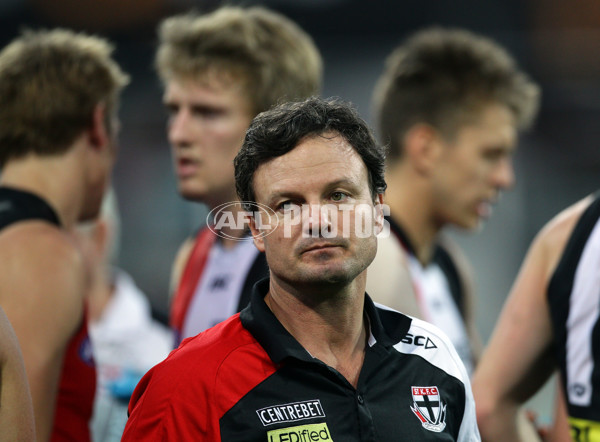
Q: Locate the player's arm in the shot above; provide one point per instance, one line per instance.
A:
(519, 359)
(42, 289)
(16, 410)
(560, 429)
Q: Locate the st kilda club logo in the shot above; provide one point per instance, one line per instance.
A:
(429, 408)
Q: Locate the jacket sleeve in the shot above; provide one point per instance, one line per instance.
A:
(164, 408)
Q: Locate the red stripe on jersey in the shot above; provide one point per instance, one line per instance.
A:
(190, 277)
(75, 399)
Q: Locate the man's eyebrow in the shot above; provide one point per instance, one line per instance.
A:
(283, 194)
(292, 194)
(343, 182)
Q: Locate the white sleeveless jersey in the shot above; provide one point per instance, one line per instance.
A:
(217, 294)
(574, 301)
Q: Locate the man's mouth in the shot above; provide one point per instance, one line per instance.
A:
(186, 167)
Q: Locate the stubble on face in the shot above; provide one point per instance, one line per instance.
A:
(310, 174)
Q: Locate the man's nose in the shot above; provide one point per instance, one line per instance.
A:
(504, 175)
(179, 128)
(317, 220)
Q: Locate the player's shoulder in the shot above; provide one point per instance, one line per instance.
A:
(45, 252)
(33, 237)
(185, 248)
(554, 235)
(562, 223)
(427, 341)
(389, 274)
(454, 251)
(183, 255)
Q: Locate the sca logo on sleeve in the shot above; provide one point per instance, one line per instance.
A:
(302, 433)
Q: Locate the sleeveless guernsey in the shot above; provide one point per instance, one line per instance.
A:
(574, 300)
(74, 402)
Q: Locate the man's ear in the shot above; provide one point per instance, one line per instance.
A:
(257, 235)
(381, 210)
(98, 132)
(422, 146)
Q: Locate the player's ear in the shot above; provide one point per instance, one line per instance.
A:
(422, 146)
(98, 132)
(257, 234)
(381, 210)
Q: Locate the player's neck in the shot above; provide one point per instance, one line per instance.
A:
(52, 178)
(410, 203)
(333, 331)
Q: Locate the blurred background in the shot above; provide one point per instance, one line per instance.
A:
(556, 42)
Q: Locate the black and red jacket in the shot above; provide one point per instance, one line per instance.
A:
(247, 379)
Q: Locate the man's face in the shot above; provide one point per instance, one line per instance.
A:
(474, 167)
(312, 246)
(206, 128)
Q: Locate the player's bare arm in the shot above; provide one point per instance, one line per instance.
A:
(44, 267)
(16, 410)
(502, 384)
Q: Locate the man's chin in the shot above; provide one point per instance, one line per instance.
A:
(192, 195)
(328, 276)
(472, 225)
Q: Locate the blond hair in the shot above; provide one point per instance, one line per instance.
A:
(275, 59)
(442, 77)
(50, 83)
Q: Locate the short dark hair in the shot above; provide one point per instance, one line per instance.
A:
(50, 82)
(443, 76)
(275, 132)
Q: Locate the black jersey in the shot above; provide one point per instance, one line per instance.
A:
(17, 205)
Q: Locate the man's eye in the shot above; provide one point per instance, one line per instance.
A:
(495, 154)
(206, 112)
(171, 109)
(338, 196)
(286, 206)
